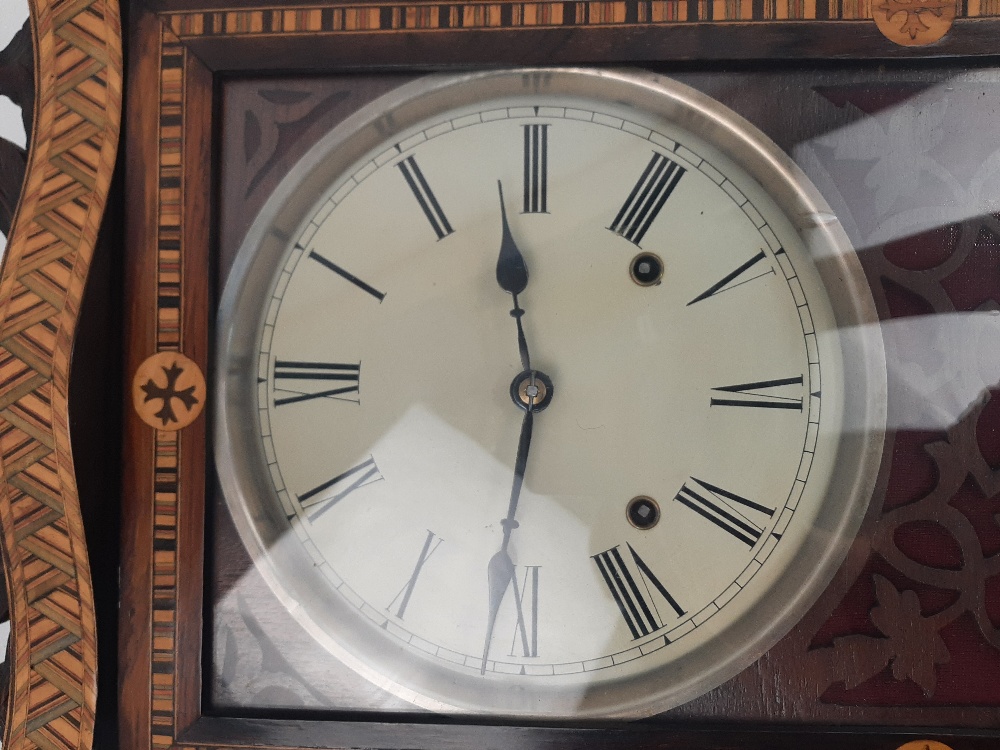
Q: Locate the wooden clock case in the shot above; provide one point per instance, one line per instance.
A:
(867, 668)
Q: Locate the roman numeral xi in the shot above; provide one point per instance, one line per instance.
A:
(425, 197)
(643, 204)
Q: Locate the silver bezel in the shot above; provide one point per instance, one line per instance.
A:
(261, 523)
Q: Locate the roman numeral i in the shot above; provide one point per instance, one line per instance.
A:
(643, 204)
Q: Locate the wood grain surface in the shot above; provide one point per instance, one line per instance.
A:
(77, 105)
(186, 55)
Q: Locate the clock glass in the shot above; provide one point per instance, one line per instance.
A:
(547, 393)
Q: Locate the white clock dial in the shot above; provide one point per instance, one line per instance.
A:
(549, 395)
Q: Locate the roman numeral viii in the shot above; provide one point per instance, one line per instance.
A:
(643, 204)
(753, 395)
(536, 168)
(636, 603)
(304, 381)
(723, 508)
(317, 501)
(422, 192)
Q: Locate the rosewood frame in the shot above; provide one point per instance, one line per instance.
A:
(181, 49)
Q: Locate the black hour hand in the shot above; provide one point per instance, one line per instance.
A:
(512, 273)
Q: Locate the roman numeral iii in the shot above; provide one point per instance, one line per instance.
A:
(425, 197)
(632, 593)
(724, 509)
(536, 168)
(755, 395)
(318, 502)
(643, 204)
(304, 381)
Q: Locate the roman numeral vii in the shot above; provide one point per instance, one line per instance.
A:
(431, 543)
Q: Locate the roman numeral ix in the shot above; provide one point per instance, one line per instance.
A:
(720, 507)
(422, 192)
(636, 604)
(294, 377)
(536, 168)
(318, 502)
(751, 395)
(431, 543)
(655, 185)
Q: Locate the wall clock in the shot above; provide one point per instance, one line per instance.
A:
(579, 488)
(266, 190)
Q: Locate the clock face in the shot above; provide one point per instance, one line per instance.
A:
(535, 395)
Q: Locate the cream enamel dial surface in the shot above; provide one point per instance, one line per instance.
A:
(678, 487)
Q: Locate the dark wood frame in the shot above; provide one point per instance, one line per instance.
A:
(181, 49)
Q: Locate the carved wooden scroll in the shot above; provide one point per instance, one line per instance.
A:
(73, 129)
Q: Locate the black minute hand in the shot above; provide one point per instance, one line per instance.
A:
(500, 573)
(512, 276)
